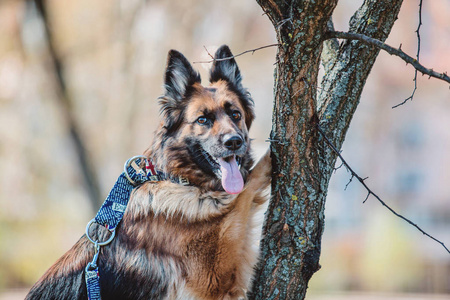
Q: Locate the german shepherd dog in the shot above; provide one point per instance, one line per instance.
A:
(176, 241)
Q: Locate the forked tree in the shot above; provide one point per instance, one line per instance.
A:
(310, 126)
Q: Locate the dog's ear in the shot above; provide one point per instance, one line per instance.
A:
(225, 68)
(179, 76)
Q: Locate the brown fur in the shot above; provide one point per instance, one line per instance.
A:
(177, 241)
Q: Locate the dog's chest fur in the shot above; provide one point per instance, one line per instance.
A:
(199, 245)
(174, 242)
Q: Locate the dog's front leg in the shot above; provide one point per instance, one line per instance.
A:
(260, 177)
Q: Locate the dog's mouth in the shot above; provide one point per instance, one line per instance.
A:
(226, 168)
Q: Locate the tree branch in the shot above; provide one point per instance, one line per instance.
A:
(397, 52)
(234, 56)
(342, 85)
(417, 57)
(370, 192)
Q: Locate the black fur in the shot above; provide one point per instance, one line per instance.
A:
(68, 287)
(136, 281)
(225, 69)
(199, 158)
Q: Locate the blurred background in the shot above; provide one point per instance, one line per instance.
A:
(82, 79)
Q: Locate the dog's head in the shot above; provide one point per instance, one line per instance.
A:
(204, 131)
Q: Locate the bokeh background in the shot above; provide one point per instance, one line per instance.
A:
(112, 56)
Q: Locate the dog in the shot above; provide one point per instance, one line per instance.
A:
(183, 241)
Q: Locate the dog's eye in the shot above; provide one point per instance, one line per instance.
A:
(202, 120)
(236, 115)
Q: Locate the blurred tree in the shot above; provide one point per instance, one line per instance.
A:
(302, 161)
(65, 104)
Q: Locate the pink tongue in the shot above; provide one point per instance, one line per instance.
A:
(232, 180)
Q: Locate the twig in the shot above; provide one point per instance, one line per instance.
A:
(282, 22)
(231, 57)
(348, 183)
(337, 168)
(210, 55)
(370, 192)
(412, 94)
(275, 141)
(397, 52)
(418, 29)
(417, 57)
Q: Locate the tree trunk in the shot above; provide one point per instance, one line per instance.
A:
(302, 163)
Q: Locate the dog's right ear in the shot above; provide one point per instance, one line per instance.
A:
(179, 76)
(225, 67)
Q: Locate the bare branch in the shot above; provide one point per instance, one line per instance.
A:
(337, 168)
(367, 197)
(412, 94)
(370, 192)
(417, 57)
(418, 30)
(210, 55)
(397, 52)
(350, 181)
(231, 57)
(282, 22)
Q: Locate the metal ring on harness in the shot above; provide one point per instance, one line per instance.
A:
(128, 164)
(113, 234)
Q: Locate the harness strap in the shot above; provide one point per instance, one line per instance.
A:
(113, 208)
(110, 214)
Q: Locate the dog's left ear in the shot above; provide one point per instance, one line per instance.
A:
(225, 68)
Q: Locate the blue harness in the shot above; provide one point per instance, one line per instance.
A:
(112, 211)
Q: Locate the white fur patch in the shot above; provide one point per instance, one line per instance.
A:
(171, 199)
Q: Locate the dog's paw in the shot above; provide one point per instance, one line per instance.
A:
(261, 174)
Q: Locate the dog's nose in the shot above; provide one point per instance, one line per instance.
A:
(234, 143)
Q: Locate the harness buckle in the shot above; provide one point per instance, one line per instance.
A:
(96, 242)
(93, 264)
(183, 180)
(132, 163)
(153, 178)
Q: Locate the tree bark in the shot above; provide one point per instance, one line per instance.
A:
(302, 163)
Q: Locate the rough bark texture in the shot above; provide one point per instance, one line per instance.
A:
(302, 163)
(344, 80)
